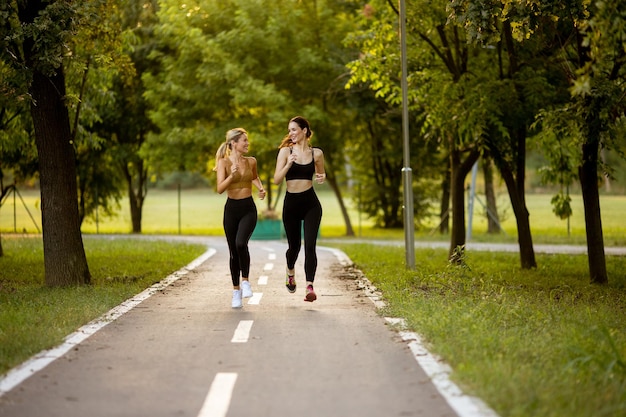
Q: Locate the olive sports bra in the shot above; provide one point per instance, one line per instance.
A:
(245, 180)
(301, 172)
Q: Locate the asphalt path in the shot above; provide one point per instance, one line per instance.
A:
(181, 350)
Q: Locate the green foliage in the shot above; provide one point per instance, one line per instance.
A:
(91, 49)
(561, 206)
(378, 156)
(46, 29)
(251, 64)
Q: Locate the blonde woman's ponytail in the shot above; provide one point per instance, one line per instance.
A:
(225, 148)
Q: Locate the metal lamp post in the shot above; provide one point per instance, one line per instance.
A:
(407, 174)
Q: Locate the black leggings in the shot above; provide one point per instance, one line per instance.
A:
(298, 208)
(239, 221)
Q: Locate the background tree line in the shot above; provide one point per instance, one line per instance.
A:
(100, 96)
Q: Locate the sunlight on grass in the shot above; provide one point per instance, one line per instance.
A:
(542, 342)
(199, 212)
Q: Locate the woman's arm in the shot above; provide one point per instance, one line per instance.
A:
(223, 178)
(283, 163)
(256, 180)
(320, 171)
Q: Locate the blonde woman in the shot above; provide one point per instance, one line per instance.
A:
(298, 163)
(235, 174)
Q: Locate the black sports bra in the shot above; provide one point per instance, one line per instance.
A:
(301, 172)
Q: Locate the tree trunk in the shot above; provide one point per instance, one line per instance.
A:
(2, 194)
(514, 173)
(136, 195)
(493, 223)
(64, 254)
(524, 235)
(136, 205)
(588, 174)
(460, 169)
(444, 210)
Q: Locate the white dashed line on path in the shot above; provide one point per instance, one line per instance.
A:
(263, 280)
(217, 401)
(242, 332)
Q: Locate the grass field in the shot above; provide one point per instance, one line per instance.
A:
(199, 212)
(530, 343)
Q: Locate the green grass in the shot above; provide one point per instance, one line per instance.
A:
(34, 317)
(201, 211)
(540, 343)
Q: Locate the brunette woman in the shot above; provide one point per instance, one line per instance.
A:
(298, 163)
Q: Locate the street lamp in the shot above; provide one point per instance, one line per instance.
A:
(407, 175)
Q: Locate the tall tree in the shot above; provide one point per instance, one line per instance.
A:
(36, 46)
(248, 63)
(124, 119)
(99, 57)
(585, 41)
(438, 58)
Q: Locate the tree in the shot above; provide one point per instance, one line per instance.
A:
(377, 150)
(35, 46)
(94, 58)
(585, 41)
(123, 119)
(254, 64)
(438, 82)
(99, 58)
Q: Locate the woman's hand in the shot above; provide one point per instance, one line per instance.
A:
(234, 172)
(292, 158)
(262, 194)
(319, 178)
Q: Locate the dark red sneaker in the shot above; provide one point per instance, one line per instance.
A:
(310, 294)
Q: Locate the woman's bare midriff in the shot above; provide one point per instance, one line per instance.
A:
(298, 186)
(239, 193)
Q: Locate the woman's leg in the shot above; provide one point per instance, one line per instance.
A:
(246, 227)
(292, 222)
(312, 220)
(247, 224)
(231, 225)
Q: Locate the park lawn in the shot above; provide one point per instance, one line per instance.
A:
(537, 343)
(34, 317)
(200, 211)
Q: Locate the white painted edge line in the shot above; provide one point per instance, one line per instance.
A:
(217, 401)
(242, 332)
(42, 359)
(437, 370)
(439, 373)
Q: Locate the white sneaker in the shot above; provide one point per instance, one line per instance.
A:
(237, 299)
(246, 289)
